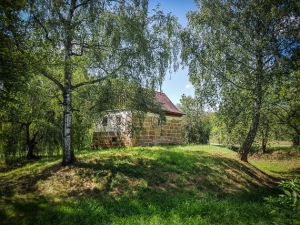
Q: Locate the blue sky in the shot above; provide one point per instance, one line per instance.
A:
(176, 84)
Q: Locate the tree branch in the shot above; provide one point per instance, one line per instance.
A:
(99, 79)
(89, 82)
(54, 80)
(78, 54)
(58, 100)
(43, 27)
(232, 82)
(82, 4)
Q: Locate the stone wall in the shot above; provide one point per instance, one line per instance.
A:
(110, 140)
(153, 134)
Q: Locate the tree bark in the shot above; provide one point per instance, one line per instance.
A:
(31, 142)
(250, 137)
(264, 140)
(264, 147)
(258, 95)
(68, 151)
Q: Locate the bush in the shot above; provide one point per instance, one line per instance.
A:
(287, 205)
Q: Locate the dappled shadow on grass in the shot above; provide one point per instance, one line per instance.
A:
(286, 175)
(128, 185)
(171, 172)
(23, 161)
(20, 162)
(24, 210)
(27, 183)
(20, 198)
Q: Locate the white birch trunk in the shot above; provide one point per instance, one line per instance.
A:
(68, 152)
(246, 147)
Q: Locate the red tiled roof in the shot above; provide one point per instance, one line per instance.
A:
(166, 104)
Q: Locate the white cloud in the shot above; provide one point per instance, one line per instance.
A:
(188, 86)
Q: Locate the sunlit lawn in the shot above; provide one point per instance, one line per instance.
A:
(189, 184)
(281, 161)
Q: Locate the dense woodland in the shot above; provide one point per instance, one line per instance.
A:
(63, 63)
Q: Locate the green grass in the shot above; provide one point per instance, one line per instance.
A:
(280, 161)
(189, 184)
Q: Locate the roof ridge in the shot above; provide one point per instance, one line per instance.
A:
(167, 105)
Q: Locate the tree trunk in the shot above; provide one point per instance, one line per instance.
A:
(264, 140)
(31, 143)
(250, 137)
(265, 133)
(28, 141)
(31, 147)
(258, 93)
(68, 151)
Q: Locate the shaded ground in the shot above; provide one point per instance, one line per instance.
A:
(133, 180)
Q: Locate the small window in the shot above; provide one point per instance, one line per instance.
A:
(114, 139)
(104, 121)
(118, 120)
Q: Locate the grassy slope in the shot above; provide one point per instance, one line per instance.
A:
(279, 161)
(157, 185)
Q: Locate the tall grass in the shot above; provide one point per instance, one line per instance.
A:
(189, 184)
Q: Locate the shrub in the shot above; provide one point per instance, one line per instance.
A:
(287, 205)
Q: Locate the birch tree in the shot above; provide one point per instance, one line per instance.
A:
(100, 39)
(235, 47)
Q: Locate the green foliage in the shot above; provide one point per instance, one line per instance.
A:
(288, 103)
(196, 124)
(119, 94)
(287, 205)
(231, 129)
(31, 122)
(49, 137)
(11, 143)
(235, 54)
(227, 129)
(14, 51)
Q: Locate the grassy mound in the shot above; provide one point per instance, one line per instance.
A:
(155, 185)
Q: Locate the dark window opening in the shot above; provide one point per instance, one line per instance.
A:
(104, 121)
(114, 139)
